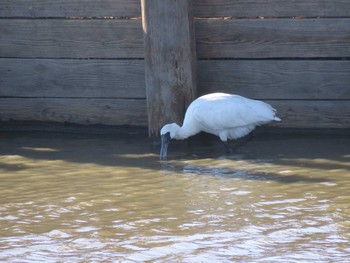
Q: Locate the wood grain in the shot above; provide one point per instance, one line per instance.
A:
(294, 113)
(260, 79)
(61, 38)
(312, 113)
(96, 84)
(72, 78)
(170, 60)
(202, 8)
(70, 8)
(276, 79)
(272, 8)
(80, 111)
(271, 38)
(237, 38)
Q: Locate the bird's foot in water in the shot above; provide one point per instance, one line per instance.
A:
(228, 149)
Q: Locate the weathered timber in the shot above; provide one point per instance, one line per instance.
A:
(260, 79)
(80, 111)
(271, 8)
(65, 38)
(271, 38)
(242, 38)
(36, 85)
(70, 8)
(276, 79)
(12, 127)
(294, 113)
(202, 8)
(169, 60)
(72, 78)
(312, 113)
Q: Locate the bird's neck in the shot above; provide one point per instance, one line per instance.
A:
(186, 131)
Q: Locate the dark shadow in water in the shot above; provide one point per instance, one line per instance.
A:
(11, 167)
(133, 151)
(327, 165)
(240, 174)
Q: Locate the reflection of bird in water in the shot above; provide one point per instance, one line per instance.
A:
(225, 115)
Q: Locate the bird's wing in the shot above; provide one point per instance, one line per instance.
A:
(231, 112)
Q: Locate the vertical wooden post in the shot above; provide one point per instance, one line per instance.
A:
(170, 60)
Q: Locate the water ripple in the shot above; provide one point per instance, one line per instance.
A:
(111, 200)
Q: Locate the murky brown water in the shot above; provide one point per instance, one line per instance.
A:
(109, 199)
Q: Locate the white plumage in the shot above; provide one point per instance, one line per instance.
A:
(225, 115)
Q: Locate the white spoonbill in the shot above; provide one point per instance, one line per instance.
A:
(228, 116)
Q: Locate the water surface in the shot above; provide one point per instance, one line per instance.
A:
(70, 198)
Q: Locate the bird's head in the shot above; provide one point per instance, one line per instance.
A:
(168, 132)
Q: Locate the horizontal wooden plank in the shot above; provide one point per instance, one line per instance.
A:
(202, 8)
(260, 79)
(235, 38)
(276, 79)
(271, 8)
(312, 113)
(79, 111)
(294, 113)
(11, 127)
(72, 78)
(69, 8)
(271, 38)
(64, 38)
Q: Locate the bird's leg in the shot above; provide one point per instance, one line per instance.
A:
(228, 149)
(240, 143)
(246, 139)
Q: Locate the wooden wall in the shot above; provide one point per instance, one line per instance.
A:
(72, 61)
(68, 61)
(293, 54)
